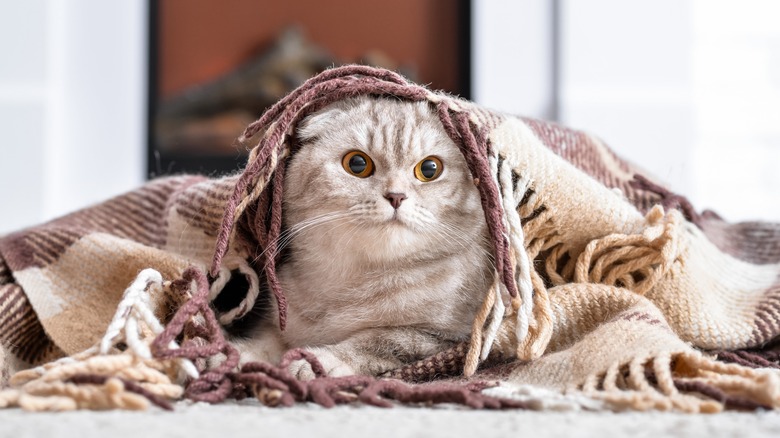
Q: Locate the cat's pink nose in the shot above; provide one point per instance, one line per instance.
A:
(395, 199)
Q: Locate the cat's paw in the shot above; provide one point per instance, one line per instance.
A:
(334, 367)
(267, 346)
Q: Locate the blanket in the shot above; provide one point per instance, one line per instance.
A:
(610, 291)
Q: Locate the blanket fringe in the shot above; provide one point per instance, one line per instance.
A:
(687, 382)
(524, 215)
(274, 385)
(632, 261)
(117, 373)
(138, 364)
(91, 381)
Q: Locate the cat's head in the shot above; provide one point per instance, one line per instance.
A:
(381, 179)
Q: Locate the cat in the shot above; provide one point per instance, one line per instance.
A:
(388, 252)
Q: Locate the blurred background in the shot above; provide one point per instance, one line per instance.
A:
(96, 96)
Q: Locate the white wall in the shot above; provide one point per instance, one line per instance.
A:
(72, 105)
(736, 70)
(626, 77)
(512, 64)
(686, 88)
(22, 111)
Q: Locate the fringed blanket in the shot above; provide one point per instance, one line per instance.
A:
(612, 292)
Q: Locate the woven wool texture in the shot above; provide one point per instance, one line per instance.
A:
(609, 288)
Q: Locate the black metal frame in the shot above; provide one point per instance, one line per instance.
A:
(168, 163)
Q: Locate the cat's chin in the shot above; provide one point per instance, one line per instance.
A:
(395, 221)
(393, 228)
(398, 219)
(400, 237)
(399, 227)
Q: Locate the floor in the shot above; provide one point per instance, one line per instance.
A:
(251, 419)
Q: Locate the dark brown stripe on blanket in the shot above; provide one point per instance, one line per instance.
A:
(20, 330)
(198, 219)
(596, 160)
(5, 273)
(42, 350)
(729, 401)
(767, 319)
(46, 246)
(576, 147)
(11, 301)
(23, 330)
(754, 242)
(204, 204)
(36, 247)
(139, 216)
(127, 225)
(751, 358)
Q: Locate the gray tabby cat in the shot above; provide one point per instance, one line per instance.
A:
(389, 251)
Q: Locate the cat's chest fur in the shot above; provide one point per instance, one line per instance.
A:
(332, 296)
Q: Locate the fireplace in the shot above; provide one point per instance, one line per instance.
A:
(215, 66)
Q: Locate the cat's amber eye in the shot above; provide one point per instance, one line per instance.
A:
(428, 169)
(357, 163)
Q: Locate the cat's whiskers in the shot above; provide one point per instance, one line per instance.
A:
(298, 228)
(333, 224)
(435, 237)
(420, 219)
(358, 229)
(453, 232)
(357, 223)
(288, 235)
(456, 232)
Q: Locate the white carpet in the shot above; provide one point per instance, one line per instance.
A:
(252, 420)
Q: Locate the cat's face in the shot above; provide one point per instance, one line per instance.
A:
(380, 178)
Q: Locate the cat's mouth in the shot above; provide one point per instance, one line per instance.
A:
(392, 220)
(395, 219)
(398, 220)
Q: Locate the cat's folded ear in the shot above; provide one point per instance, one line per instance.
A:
(323, 121)
(333, 117)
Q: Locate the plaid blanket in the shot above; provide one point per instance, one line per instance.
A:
(621, 295)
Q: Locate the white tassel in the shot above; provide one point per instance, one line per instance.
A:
(134, 308)
(495, 323)
(517, 242)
